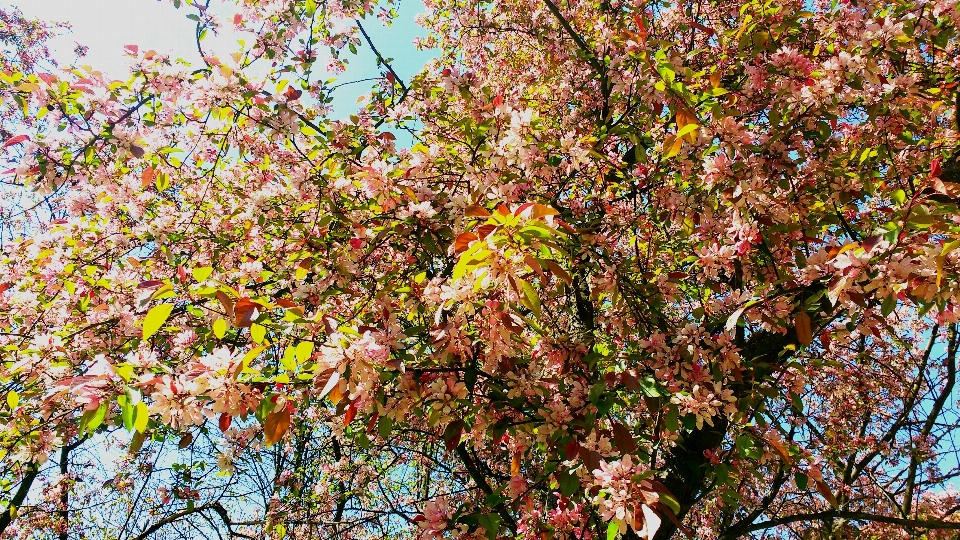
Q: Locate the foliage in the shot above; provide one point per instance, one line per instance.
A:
(646, 270)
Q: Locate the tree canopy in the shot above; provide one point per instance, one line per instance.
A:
(601, 269)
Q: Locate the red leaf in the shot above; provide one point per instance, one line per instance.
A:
(571, 449)
(484, 230)
(451, 435)
(15, 140)
(131, 49)
(935, 168)
(283, 302)
(623, 438)
(150, 284)
(225, 421)
(136, 151)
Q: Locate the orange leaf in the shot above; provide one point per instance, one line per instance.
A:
(463, 241)
(332, 381)
(802, 323)
(244, 311)
(541, 210)
(475, 210)
(351, 413)
(226, 302)
(146, 177)
(515, 463)
(558, 271)
(275, 426)
(824, 490)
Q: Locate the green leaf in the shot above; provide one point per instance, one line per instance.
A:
(569, 482)
(491, 524)
(613, 530)
(529, 297)
(155, 319)
(801, 480)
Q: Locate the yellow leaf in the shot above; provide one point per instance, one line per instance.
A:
(275, 426)
(942, 258)
(202, 273)
(304, 351)
(257, 332)
(141, 417)
(155, 319)
(674, 144)
(219, 328)
(690, 131)
(13, 399)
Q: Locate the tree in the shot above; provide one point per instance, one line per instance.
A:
(644, 270)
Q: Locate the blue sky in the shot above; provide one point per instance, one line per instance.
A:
(106, 26)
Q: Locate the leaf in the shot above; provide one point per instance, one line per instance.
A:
(463, 242)
(304, 351)
(15, 140)
(801, 480)
(332, 382)
(558, 271)
(257, 333)
(185, 440)
(451, 435)
(529, 296)
(155, 319)
(244, 311)
(146, 177)
(613, 530)
(137, 442)
(942, 258)
(219, 328)
(824, 490)
(202, 273)
(674, 144)
(802, 323)
(227, 304)
(224, 422)
(13, 399)
(623, 438)
(569, 483)
(136, 151)
(490, 524)
(689, 131)
(275, 426)
(542, 210)
(652, 521)
(141, 417)
(476, 211)
(733, 318)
